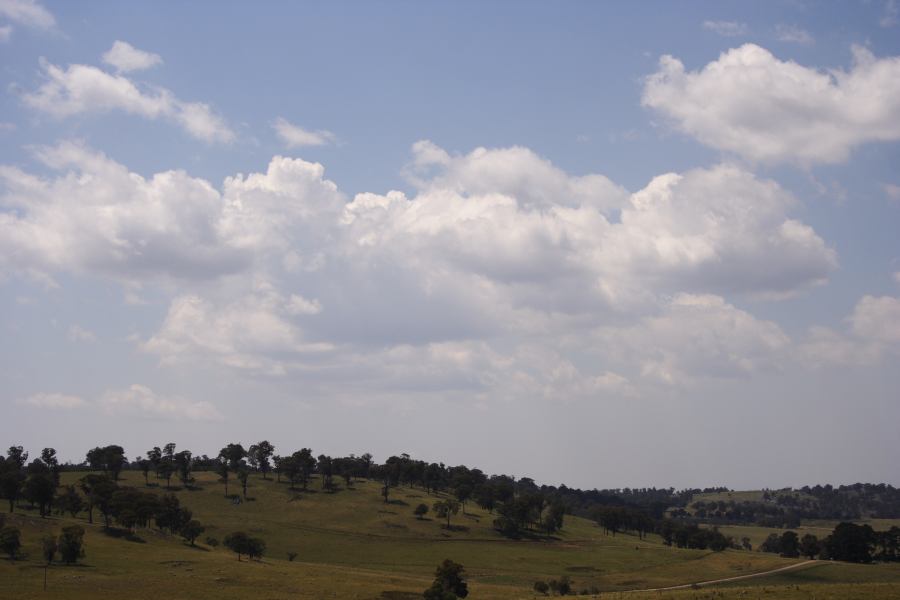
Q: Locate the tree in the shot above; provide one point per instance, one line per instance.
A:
(541, 587)
(183, 465)
(165, 470)
(48, 457)
(12, 477)
(71, 544)
(222, 471)
(98, 489)
(242, 476)
(790, 544)
(420, 511)
(449, 582)
(154, 456)
(170, 515)
(233, 455)
(241, 543)
(562, 586)
(238, 542)
(231, 458)
(256, 548)
(851, 542)
(443, 509)
(17, 456)
(260, 454)
(144, 466)
(810, 546)
(70, 502)
(40, 487)
(771, 544)
(191, 530)
(10, 541)
(109, 459)
(48, 552)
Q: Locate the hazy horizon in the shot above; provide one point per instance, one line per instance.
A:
(602, 245)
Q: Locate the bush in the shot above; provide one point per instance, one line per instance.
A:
(71, 544)
(541, 587)
(10, 541)
(211, 541)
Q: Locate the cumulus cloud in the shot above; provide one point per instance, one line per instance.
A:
(698, 336)
(5, 33)
(872, 333)
(80, 89)
(53, 401)
(496, 252)
(28, 13)
(793, 34)
(294, 136)
(140, 401)
(125, 58)
(726, 28)
(750, 103)
(249, 333)
(877, 319)
(96, 216)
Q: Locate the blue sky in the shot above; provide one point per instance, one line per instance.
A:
(604, 244)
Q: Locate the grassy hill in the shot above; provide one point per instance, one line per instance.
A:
(351, 544)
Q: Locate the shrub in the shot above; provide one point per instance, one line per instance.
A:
(71, 544)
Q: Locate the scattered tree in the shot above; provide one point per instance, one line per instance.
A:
(191, 530)
(10, 541)
(444, 509)
(420, 511)
(449, 582)
(71, 544)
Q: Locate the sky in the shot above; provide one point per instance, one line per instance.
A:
(602, 244)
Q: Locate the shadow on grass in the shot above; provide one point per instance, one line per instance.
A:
(124, 534)
(397, 502)
(394, 595)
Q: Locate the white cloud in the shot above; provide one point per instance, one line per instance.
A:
(29, 13)
(96, 216)
(80, 334)
(752, 104)
(726, 28)
(497, 251)
(53, 401)
(81, 89)
(141, 401)
(793, 34)
(873, 334)
(125, 58)
(249, 333)
(5, 33)
(897, 276)
(294, 136)
(516, 172)
(877, 319)
(698, 336)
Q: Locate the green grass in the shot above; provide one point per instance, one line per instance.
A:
(350, 544)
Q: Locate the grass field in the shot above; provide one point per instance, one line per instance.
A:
(350, 544)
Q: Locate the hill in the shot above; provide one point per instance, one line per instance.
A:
(349, 544)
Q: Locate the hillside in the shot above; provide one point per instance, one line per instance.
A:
(349, 544)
